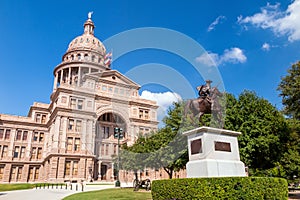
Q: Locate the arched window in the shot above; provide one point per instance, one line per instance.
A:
(93, 58)
(86, 57)
(72, 57)
(79, 56)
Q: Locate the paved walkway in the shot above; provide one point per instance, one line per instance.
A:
(47, 194)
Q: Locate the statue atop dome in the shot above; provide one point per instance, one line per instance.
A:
(90, 14)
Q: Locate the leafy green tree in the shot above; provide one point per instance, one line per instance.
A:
(290, 91)
(166, 148)
(290, 161)
(264, 130)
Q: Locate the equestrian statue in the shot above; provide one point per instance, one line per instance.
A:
(206, 103)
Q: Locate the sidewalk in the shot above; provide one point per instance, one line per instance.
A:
(294, 195)
(47, 194)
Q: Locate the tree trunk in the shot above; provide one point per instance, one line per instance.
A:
(169, 172)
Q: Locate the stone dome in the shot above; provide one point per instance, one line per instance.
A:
(87, 41)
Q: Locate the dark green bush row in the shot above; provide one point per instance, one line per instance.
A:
(220, 188)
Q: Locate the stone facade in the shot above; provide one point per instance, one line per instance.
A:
(71, 138)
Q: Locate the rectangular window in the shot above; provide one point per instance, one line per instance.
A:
(80, 104)
(22, 152)
(67, 168)
(71, 124)
(73, 103)
(33, 154)
(19, 135)
(43, 119)
(4, 151)
(39, 153)
(19, 174)
(77, 144)
(35, 136)
(146, 114)
(16, 152)
(38, 118)
(37, 173)
(13, 173)
(75, 168)
(7, 134)
(1, 133)
(78, 125)
(30, 174)
(141, 113)
(1, 171)
(25, 134)
(41, 138)
(69, 144)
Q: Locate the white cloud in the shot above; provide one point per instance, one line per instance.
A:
(215, 23)
(164, 101)
(266, 47)
(208, 59)
(280, 22)
(233, 55)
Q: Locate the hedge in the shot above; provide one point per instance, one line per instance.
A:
(220, 188)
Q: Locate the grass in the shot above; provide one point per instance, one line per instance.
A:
(109, 194)
(17, 186)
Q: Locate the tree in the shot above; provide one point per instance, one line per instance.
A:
(167, 148)
(264, 130)
(290, 91)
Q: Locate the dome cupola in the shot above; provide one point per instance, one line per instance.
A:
(87, 41)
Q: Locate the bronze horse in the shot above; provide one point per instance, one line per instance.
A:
(201, 106)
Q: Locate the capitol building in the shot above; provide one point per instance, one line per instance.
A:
(72, 137)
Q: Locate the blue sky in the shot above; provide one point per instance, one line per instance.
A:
(252, 43)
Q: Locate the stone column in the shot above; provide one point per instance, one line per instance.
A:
(69, 76)
(55, 82)
(79, 76)
(56, 134)
(99, 169)
(53, 169)
(28, 148)
(6, 174)
(112, 171)
(84, 136)
(61, 168)
(25, 172)
(11, 143)
(64, 135)
(89, 133)
(61, 76)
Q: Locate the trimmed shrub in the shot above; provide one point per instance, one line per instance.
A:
(220, 188)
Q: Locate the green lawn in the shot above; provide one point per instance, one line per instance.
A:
(112, 194)
(17, 186)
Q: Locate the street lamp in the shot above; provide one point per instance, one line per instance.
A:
(118, 134)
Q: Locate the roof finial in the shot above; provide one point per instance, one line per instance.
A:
(90, 15)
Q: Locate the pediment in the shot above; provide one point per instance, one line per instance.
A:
(113, 77)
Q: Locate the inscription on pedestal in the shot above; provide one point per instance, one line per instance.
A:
(196, 146)
(222, 146)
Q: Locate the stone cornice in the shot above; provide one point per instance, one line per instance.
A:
(144, 121)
